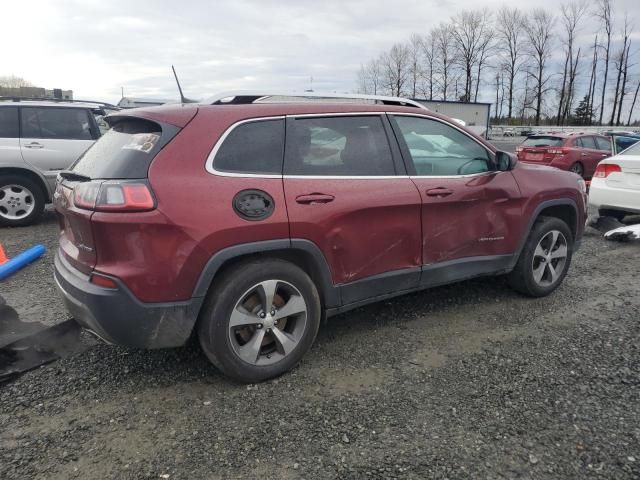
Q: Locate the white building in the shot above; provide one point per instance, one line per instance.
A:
(475, 115)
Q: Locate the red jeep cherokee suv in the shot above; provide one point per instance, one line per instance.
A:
(578, 153)
(246, 223)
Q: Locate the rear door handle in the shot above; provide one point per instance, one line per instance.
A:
(314, 198)
(439, 192)
(34, 145)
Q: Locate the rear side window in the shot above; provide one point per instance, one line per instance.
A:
(255, 147)
(603, 144)
(341, 146)
(543, 141)
(125, 151)
(586, 142)
(56, 123)
(9, 122)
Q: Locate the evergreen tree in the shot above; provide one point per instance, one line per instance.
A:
(583, 114)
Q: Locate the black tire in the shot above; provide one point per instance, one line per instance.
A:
(227, 290)
(577, 168)
(521, 277)
(36, 197)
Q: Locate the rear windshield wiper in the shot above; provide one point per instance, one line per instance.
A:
(69, 175)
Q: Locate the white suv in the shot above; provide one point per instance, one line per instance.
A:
(37, 140)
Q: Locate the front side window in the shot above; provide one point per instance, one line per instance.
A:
(338, 146)
(255, 147)
(56, 123)
(9, 122)
(437, 149)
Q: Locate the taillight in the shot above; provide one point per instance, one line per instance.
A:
(519, 148)
(603, 170)
(114, 196)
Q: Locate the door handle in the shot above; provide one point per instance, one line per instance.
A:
(439, 192)
(34, 145)
(314, 198)
(583, 154)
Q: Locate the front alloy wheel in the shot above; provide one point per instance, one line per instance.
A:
(549, 258)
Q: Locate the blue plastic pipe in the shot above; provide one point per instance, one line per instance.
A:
(21, 261)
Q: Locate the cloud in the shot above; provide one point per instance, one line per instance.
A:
(95, 47)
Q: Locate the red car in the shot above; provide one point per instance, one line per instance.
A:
(578, 153)
(246, 223)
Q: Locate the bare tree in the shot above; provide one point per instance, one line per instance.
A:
(633, 104)
(603, 12)
(370, 77)
(571, 14)
(415, 63)
(592, 81)
(445, 54)
(395, 69)
(619, 64)
(509, 25)
(539, 29)
(470, 30)
(11, 81)
(429, 56)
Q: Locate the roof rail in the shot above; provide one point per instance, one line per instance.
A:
(61, 100)
(244, 97)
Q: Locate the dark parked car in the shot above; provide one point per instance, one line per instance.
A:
(210, 220)
(578, 153)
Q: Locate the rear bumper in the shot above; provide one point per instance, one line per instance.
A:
(602, 196)
(116, 316)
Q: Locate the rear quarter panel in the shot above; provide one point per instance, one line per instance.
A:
(197, 206)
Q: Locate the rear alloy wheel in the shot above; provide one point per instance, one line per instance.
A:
(544, 259)
(259, 319)
(577, 168)
(21, 201)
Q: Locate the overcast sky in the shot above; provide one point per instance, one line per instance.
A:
(94, 47)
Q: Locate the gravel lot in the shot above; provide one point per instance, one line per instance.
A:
(466, 381)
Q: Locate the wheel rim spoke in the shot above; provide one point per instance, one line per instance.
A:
(539, 252)
(560, 252)
(267, 292)
(284, 342)
(294, 306)
(538, 273)
(554, 239)
(250, 351)
(552, 272)
(241, 317)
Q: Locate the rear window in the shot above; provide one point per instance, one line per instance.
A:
(543, 141)
(126, 150)
(9, 122)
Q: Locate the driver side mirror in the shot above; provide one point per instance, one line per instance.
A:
(504, 161)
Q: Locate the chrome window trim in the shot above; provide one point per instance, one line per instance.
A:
(210, 168)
